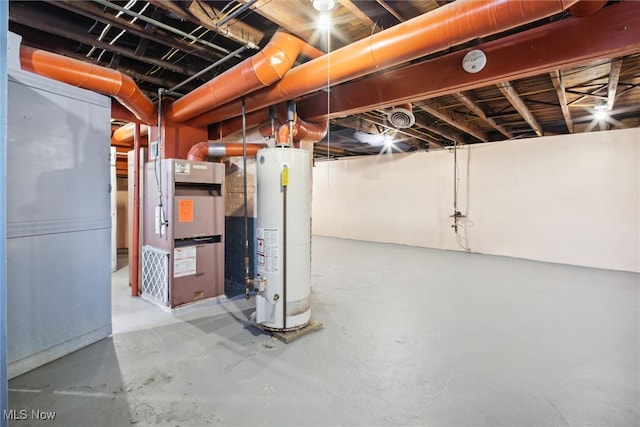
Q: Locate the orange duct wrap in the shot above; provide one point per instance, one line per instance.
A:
(91, 77)
(263, 69)
(125, 134)
(452, 24)
(204, 150)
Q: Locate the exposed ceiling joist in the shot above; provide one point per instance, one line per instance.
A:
(206, 16)
(470, 103)
(355, 10)
(558, 84)
(518, 103)
(390, 10)
(90, 10)
(54, 25)
(451, 119)
(612, 87)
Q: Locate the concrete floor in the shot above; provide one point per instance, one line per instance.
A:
(411, 337)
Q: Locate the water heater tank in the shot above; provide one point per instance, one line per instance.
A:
(284, 238)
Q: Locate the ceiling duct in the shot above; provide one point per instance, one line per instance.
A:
(449, 25)
(401, 116)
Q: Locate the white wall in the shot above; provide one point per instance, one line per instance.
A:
(571, 199)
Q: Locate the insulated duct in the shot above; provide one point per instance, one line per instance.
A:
(91, 77)
(263, 69)
(452, 24)
(125, 134)
(202, 151)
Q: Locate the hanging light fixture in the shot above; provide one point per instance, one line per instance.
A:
(323, 5)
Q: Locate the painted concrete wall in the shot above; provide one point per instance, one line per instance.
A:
(564, 199)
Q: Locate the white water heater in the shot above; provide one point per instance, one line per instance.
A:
(284, 238)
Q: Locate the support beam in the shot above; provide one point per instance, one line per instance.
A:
(92, 11)
(614, 77)
(441, 131)
(53, 25)
(450, 118)
(521, 55)
(360, 15)
(468, 101)
(558, 84)
(518, 103)
(199, 12)
(390, 10)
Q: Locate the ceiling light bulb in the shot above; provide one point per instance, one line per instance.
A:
(323, 5)
(600, 114)
(324, 21)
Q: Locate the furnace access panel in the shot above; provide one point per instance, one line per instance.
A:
(184, 230)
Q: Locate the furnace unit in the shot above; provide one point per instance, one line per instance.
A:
(183, 252)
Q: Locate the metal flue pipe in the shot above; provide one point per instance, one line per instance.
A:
(91, 77)
(205, 150)
(450, 25)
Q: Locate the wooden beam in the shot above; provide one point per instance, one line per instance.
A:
(445, 133)
(92, 11)
(360, 15)
(56, 26)
(200, 14)
(390, 10)
(558, 84)
(468, 101)
(512, 96)
(451, 119)
(614, 77)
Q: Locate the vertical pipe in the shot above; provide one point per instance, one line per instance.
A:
(246, 220)
(284, 253)
(135, 263)
(4, 20)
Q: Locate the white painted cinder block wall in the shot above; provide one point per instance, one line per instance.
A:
(571, 199)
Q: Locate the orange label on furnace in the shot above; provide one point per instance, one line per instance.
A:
(185, 210)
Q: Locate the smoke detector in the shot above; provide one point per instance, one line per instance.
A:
(401, 117)
(474, 61)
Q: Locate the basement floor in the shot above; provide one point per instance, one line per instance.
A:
(411, 337)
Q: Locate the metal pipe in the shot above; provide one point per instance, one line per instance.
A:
(206, 150)
(285, 184)
(450, 25)
(210, 67)
(263, 69)
(235, 13)
(246, 220)
(91, 77)
(135, 263)
(164, 26)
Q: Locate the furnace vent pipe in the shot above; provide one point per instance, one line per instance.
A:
(263, 69)
(125, 134)
(205, 150)
(91, 77)
(452, 24)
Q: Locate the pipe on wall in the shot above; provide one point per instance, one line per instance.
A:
(263, 69)
(91, 77)
(452, 24)
(202, 151)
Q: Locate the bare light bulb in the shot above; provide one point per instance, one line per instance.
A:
(324, 21)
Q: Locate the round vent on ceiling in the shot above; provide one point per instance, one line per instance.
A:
(401, 117)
